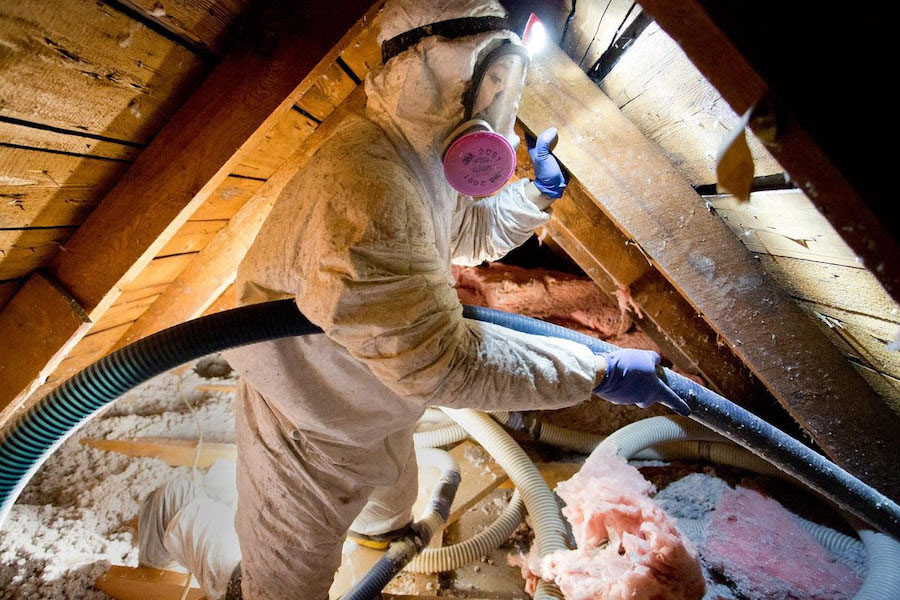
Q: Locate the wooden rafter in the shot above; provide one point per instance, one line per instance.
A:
(236, 105)
(215, 266)
(646, 198)
(797, 97)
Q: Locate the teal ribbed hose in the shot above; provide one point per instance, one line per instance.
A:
(32, 437)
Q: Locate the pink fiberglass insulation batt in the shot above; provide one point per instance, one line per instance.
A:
(628, 548)
(759, 546)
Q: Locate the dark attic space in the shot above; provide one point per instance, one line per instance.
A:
(425, 299)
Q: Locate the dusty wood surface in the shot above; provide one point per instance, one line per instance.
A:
(175, 453)
(192, 237)
(617, 265)
(593, 29)
(228, 198)
(205, 23)
(229, 111)
(145, 583)
(807, 257)
(86, 66)
(49, 335)
(784, 223)
(24, 250)
(42, 189)
(8, 289)
(658, 88)
(857, 207)
(21, 135)
(851, 295)
(216, 265)
(646, 197)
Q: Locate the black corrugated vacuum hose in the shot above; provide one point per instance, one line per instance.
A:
(34, 435)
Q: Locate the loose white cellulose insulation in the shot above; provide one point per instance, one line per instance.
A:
(627, 547)
(71, 521)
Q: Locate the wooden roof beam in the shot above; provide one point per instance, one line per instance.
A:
(255, 83)
(801, 99)
(645, 197)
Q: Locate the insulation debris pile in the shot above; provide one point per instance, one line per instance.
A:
(761, 549)
(627, 547)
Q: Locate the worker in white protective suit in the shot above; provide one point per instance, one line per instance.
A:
(363, 238)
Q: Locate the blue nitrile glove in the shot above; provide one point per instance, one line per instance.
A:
(548, 176)
(631, 378)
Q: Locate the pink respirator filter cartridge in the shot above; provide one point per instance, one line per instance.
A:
(479, 163)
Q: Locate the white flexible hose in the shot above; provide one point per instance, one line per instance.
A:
(438, 560)
(432, 520)
(436, 416)
(549, 529)
(442, 436)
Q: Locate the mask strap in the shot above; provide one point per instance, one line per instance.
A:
(451, 29)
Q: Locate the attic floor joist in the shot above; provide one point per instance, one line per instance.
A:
(784, 74)
(236, 105)
(660, 212)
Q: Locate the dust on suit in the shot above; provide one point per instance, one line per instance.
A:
(363, 238)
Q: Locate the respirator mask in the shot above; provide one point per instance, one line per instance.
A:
(479, 154)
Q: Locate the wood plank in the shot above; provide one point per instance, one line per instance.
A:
(160, 271)
(658, 88)
(328, 91)
(216, 266)
(820, 154)
(44, 138)
(175, 453)
(192, 237)
(249, 91)
(18, 322)
(228, 389)
(44, 189)
(887, 387)
(849, 294)
(278, 144)
(122, 313)
(227, 199)
(480, 476)
(226, 301)
(611, 23)
(364, 54)
(869, 349)
(86, 66)
(145, 583)
(206, 23)
(784, 223)
(137, 294)
(24, 250)
(8, 289)
(617, 265)
(583, 28)
(210, 125)
(646, 197)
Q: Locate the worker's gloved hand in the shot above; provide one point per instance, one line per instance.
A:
(548, 176)
(631, 378)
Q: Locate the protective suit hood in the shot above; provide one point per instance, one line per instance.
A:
(417, 97)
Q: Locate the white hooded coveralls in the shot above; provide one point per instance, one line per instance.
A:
(363, 238)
